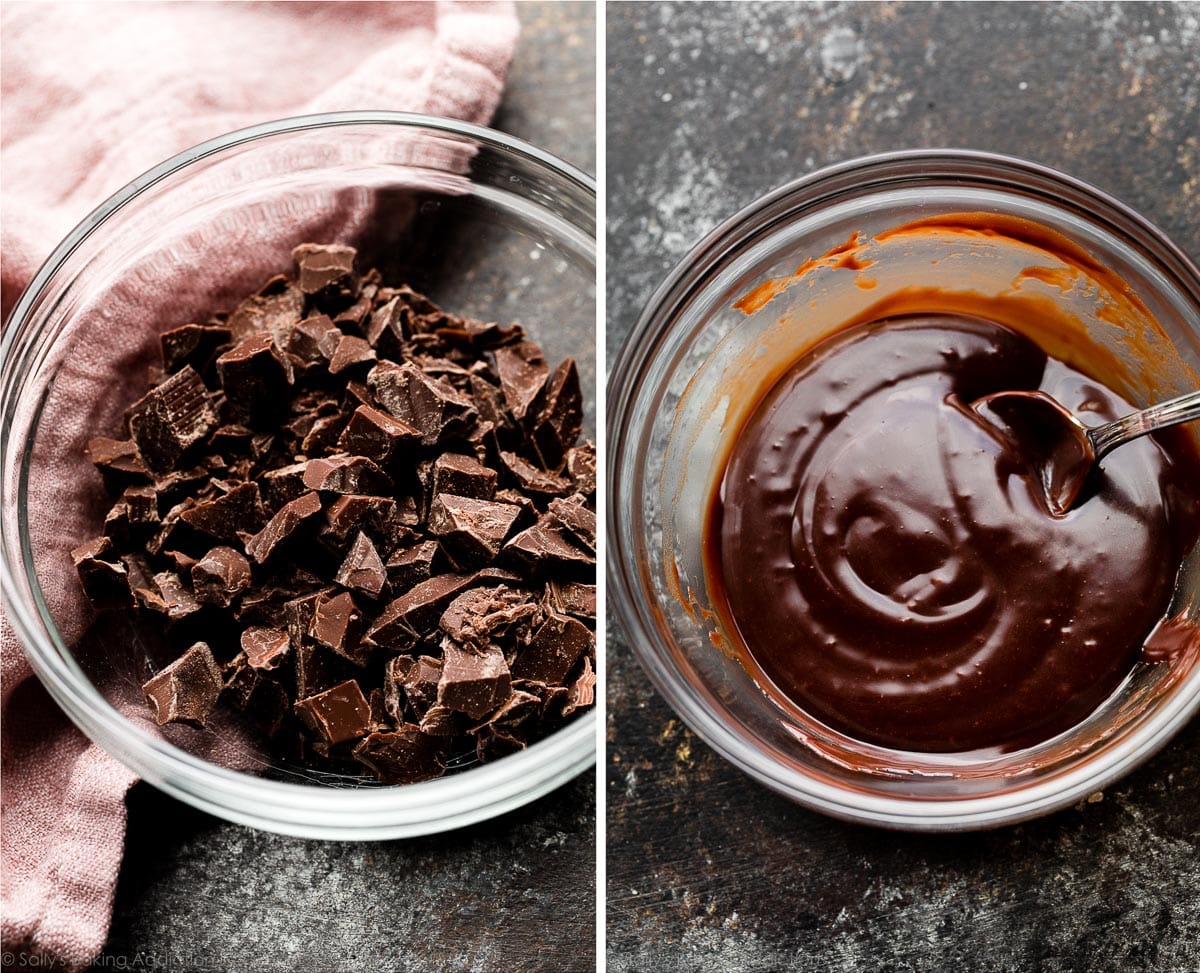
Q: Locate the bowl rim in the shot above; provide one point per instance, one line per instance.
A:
(162, 763)
(690, 276)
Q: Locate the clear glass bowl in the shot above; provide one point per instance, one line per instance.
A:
(484, 223)
(693, 365)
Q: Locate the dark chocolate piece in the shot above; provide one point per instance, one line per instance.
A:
(375, 435)
(582, 691)
(429, 405)
(578, 520)
(230, 515)
(105, 582)
(410, 685)
(170, 418)
(581, 466)
(350, 511)
(347, 474)
(220, 576)
(177, 600)
(323, 435)
(336, 623)
(314, 339)
(533, 480)
(555, 648)
(561, 419)
(265, 647)
(545, 547)
(473, 682)
(404, 620)
(193, 344)
(282, 526)
(523, 371)
(463, 476)
(473, 531)
(477, 617)
(351, 350)
(186, 691)
(273, 311)
(572, 598)
(283, 485)
(410, 566)
(118, 462)
(406, 756)
(257, 694)
(338, 714)
(362, 569)
(255, 376)
(324, 268)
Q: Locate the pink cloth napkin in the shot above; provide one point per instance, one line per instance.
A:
(94, 95)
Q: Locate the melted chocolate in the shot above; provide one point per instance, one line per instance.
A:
(889, 560)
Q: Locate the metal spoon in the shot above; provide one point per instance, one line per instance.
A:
(1061, 447)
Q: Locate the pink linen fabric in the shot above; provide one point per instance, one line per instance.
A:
(94, 95)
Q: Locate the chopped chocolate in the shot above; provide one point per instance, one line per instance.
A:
(377, 505)
(186, 691)
(471, 530)
(429, 405)
(193, 344)
(523, 371)
(230, 515)
(375, 435)
(321, 269)
(338, 714)
(473, 682)
(409, 566)
(555, 648)
(170, 418)
(406, 756)
(561, 418)
(347, 474)
(265, 647)
(362, 569)
(532, 480)
(463, 476)
(578, 520)
(220, 576)
(282, 526)
(105, 582)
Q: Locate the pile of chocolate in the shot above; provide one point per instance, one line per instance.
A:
(363, 521)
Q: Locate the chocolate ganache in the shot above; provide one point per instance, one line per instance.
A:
(890, 561)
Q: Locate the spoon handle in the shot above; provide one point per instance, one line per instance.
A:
(1172, 412)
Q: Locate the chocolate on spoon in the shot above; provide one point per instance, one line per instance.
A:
(1063, 449)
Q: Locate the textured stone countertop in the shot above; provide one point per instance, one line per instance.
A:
(709, 107)
(515, 893)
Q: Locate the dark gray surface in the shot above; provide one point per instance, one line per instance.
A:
(709, 107)
(516, 893)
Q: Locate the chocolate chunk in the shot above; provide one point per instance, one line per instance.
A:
(582, 691)
(429, 405)
(265, 647)
(533, 480)
(544, 547)
(273, 311)
(324, 269)
(220, 576)
(442, 721)
(170, 418)
(463, 476)
(193, 344)
(336, 623)
(230, 515)
(282, 526)
(472, 682)
(258, 694)
(581, 465)
(350, 511)
(314, 339)
(357, 313)
(561, 419)
(186, 691)
(347, 474)
(404, 757)
(177, 600)
(362, 569)
(381, 722)
(482, 615)
(255, 376)
(572, 598)
(410, 685)
(387, 320)
(351, 350)
(338, 714)
(317, 668)
(410, 566)
(404, 620)
(578, 520)
(118, 462)
(104, 581)
(375, 435)
(523, 371)
(471, 530)
(141, 502)
(502, 732)
(283, 485)
(555, 648)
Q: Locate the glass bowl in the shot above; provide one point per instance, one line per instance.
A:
(694, 365)
(483, 223)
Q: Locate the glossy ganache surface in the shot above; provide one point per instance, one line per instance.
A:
(889, 560)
